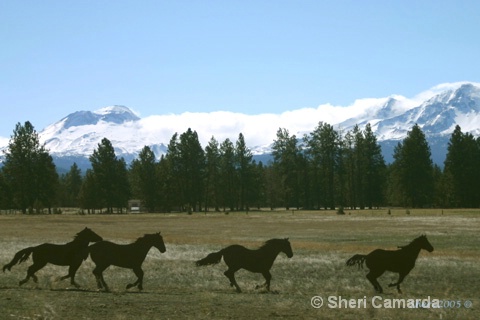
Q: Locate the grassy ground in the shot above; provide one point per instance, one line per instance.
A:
(174, 288)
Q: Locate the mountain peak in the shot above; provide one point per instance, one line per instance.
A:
(466, 98)
(113, 114)
(436, 111)
(115, 109)
(116, 114)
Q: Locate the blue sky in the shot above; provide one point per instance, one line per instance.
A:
(252, 57)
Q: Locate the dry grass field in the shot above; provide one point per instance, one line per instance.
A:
(174, 288)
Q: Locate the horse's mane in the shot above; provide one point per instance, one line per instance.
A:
(272, 242)
(81, 232)
(78, 235)
(412, 242)
(145, 237)
(142, 239)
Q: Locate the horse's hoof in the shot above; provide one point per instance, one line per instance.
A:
(129, 286)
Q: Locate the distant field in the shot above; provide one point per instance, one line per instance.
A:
(174, 288)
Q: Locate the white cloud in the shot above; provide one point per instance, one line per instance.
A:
(261, 129)
(430, 93)
(258, 130)
(4, 142)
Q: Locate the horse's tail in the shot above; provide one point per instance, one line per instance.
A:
(357, 259)
(19, 257)
(212, 258)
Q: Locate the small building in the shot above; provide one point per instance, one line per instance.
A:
(135, 206)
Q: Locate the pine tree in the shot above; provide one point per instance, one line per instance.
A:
(372, 170)
(286, 156)
(72, 181)
(5, 193)
(170, 173)
(413, 170)
(192, 169)
(323, 145)
(462, 167)
(110, 175)
(89, 197)
(143, 179)
(350, 168)
(228, 181)
(29, 170)
(212, 174)
(243, 160)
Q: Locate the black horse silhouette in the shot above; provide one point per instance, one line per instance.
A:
(70, 254)
(259, 261)
(399, 261)
(130, 256)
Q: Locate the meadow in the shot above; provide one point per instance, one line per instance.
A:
(174, 288)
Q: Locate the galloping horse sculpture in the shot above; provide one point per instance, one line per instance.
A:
(259, 261)
(399, 261)
(71, 254)
(130, 256)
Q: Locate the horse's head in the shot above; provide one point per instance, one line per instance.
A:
(88, 235)
(158, 242)
(424, 243)
(287, 248)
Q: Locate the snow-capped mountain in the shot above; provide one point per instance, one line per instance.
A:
(437, 116)
(79, 133)
(437, 111)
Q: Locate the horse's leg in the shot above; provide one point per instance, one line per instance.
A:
(101, 284)
(230, 274)
(96, 273)
(372, 277)
(72, 270)
(104, 284)
(139, 283)
(267, 277)
(31, 272)
(400, 280)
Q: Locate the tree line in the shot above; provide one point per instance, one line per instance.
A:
(324, 169)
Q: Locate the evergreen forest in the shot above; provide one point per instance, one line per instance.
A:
(324, 169)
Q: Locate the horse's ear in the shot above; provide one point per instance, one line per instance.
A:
(286, 239)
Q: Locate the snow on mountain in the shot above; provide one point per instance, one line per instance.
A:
(79, 133)
(436, 111)
(437, 116)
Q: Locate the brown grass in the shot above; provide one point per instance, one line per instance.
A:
(175, 289)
